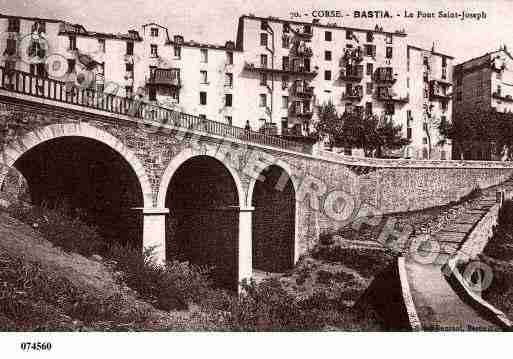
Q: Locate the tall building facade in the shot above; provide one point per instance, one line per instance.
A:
(483, 83)
(272, 78)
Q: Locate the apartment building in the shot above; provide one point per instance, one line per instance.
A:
(272, 78)
(429, 84)
(485, 83)
(292, 67)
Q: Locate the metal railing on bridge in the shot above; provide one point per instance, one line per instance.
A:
(47, 88)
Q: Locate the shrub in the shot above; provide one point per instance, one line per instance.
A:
(366, 261)
(60, 226)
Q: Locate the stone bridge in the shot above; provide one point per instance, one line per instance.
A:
(199, 190)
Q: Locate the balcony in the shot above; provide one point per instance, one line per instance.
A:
(352, 56)
(438, 92)
(301, 109)
(354, 94)
(352, 74)
(165, 77)
(385, 76)
(303, 90)
(440, 82)
(300, 49)
(384, 94)
(287, 70)
(304, 31)
(497, 95)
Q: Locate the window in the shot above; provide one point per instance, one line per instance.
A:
(370, 36)
(424, 140)
(152, 93)
(286, 28)
(11, 47)
(388, 38)
(370, 87)
(129, 91)
(285, 42)
(424, 153)
(263, 100)
(228, 79)
(154, 32)
(284, 102)
(203, 98)
(369, 69)
(129, 67)
(285, 63)
(284, 81)
(389, 52)
(284, 124)
(153, 50)
(263, 61)
(369, 50)
(72, 43)
(229, 58)
(263, 79)
(368, 108)
(204, 77)
(204, 55)
(228, 120)
(228, 98)
(409, 133)
(425, 61)
(13, 25)
(71, 65)
(263, 39)
(327, 55)
(327, 36)
(101, 45)
(327, 75)
(263, 25)
(129, 48)
(349, 35)
(177, 51)
(444, 61)
(32, 69)
(203, 117)
(389, 109)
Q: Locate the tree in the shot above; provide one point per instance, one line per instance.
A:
(374, 134)
(481, 130)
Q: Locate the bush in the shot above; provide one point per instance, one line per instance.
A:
(366, 261)
(35, 300)
(61, 227)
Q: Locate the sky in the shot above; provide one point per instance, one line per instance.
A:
(216, 22)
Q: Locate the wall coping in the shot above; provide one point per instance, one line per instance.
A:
(413, 317)
(322, 155)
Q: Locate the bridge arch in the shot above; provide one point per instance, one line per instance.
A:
(17, 148)
(275, 218)
(203, 195)
(101, 180)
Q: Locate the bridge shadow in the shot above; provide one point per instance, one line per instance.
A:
(203, 223)
(274, 221)
(90, 178)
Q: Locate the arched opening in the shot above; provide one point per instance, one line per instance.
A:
(203, 223)
(274, 221)
(89, 177)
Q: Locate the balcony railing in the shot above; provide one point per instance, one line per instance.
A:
(389, 96)
(437, 92)
(45, 88)
(353, 55)
(355, 93)
(303, 90)
(291, 70)
(497, 95)
(353, 73)
(384, 75)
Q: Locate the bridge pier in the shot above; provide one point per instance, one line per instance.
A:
(245, 243)
(154, 231)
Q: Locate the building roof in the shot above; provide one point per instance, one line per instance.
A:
(79, 30)
(4, 16)
(321, 25)
(433, 52)
(486, 54)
